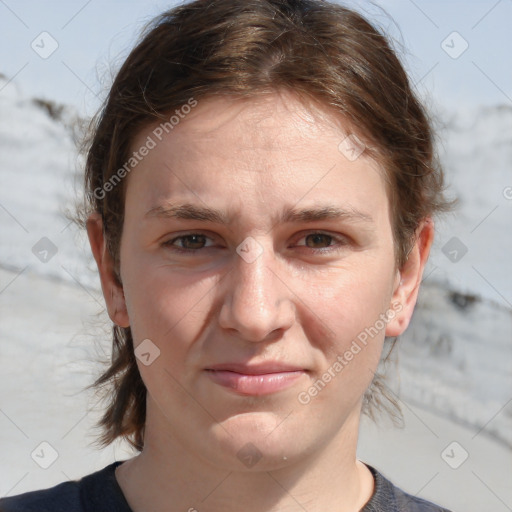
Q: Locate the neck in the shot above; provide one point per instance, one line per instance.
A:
(167, 476)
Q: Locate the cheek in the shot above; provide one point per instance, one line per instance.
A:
(171, 313)
(348, 302)
(169, 308)
(352, 307)
(354, 312)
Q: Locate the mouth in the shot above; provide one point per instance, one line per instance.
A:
(255, 380)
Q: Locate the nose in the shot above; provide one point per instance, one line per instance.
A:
(257, 304)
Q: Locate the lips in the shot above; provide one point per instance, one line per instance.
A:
(256, 368)
(255, 379)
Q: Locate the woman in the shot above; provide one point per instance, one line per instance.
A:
(261, 185)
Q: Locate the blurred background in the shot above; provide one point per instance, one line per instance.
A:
(453, 373)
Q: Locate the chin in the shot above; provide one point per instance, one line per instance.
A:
(259, 441)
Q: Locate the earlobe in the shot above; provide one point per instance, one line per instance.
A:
(112, 289)
(408, 279)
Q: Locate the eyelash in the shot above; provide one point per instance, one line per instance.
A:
(337, 241)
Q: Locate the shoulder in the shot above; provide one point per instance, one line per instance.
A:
(65, 496)
(389, 498)
(97, 492)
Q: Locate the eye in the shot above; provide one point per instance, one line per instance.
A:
(320, 242)
(189, 242)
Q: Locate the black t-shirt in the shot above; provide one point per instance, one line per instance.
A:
(100, 492)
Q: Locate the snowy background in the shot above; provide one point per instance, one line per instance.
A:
(455, 361)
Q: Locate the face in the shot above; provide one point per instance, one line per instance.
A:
(259, 279)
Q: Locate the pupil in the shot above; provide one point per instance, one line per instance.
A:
(193, 241)
(317, 239)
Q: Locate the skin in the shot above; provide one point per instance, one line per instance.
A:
(302, 301)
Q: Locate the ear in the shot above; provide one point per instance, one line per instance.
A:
(112, 289)
(408, 280)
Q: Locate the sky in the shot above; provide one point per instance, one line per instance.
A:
(455, 51)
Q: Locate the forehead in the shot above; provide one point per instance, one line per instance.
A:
(223, 114)
(276, 144)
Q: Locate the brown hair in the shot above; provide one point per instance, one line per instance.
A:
(323, 52)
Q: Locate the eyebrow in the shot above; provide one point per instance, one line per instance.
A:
(189, 211)
(324, 213)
